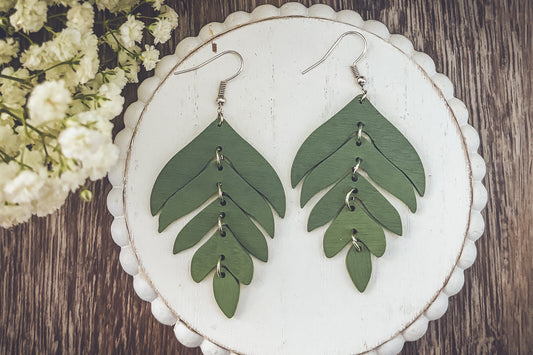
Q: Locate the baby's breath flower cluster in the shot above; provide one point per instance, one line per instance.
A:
(63, 65)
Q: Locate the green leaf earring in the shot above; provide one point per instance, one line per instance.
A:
(220, 165)
(357, 139)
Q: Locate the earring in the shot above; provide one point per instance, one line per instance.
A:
(350, 153)
(220, 165)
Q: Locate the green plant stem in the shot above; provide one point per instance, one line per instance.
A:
(19, 80)
(8, 158)
(134, 55)
(22, 120)
(73, 61)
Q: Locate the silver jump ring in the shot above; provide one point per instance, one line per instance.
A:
(219, 272)
(219, 157)
(220, 194)
(355, 242)
(220, 225)
(363, 98)
(347, 199)
(220, 115)
(359, 132)
(357, 164)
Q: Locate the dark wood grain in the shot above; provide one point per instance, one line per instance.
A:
(61, 286)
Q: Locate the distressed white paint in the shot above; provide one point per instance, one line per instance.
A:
(301, 302)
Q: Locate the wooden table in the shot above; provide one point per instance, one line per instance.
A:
(61, 286)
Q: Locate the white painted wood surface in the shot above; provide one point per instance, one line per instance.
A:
(301, 302)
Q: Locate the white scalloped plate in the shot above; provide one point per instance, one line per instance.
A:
(300, 302)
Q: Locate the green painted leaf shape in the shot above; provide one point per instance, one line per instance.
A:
(248, 199)
(339, 233)
(329, 206)
(236, 259)
(379, 169)
(359, 265)
(235, 219)
(191, 196)
(189, 161)
(226, 289)
(327, 138)
(204, 186)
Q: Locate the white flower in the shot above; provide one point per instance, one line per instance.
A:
(129, 64)
(81, 17)
(102, 161)
(131, 31)
(13, 93)
(8, 49)
(89, 63)
(35, 57)
(34, 158)
(66, 44)
(161, 30)
(80, 143)
(156, 4)
(117, 77)
(6, 5)
(9, 142)
(93, 149)
(169, 14)
(48, 101)
(116, 5)
(24, 188)
(7, 172)
(96, 120)
(52, 196)
(30, 15)
(13, 214)
(150, 57)
(112, 105)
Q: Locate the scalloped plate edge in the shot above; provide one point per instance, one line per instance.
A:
(146, 90)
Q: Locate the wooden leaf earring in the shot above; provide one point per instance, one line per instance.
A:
(357, 139)
(220, 165)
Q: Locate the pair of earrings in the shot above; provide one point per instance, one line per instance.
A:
(348, 155)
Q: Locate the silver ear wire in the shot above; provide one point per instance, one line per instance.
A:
(221, 99)
(361, 81)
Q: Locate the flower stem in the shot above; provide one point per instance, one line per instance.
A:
(73, 61)
(19, 80)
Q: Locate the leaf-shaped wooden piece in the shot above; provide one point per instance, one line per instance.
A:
(359, 265)
(235, 219)
(204, 186)
(235, 258)
(378, 168)
(190, 161)
(226, 289)
(339, 233)
(329, 206)
(331, 135)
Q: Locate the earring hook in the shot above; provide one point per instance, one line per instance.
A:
(321, 60)
(221, 99)
(360, 79)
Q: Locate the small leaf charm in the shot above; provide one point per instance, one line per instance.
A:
(219, 162)
(357, 139)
